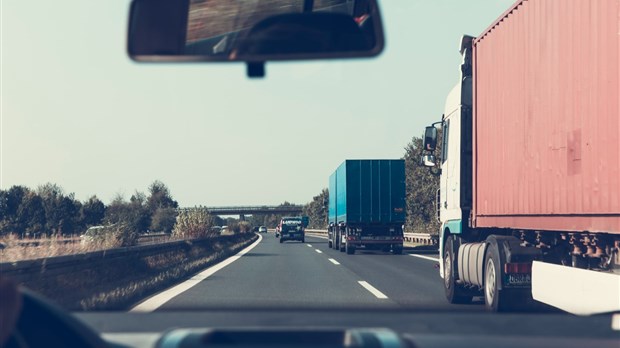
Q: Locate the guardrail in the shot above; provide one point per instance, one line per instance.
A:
(420, 238)
(142, 240)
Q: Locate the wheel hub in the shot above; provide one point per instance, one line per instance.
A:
(490, 282)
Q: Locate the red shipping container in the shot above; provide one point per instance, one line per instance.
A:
(547, 117)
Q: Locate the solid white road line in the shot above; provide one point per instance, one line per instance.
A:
(309, 245)
(373, 290)
(334, 262)
(425, 257)
(160, 299)
(318, 251)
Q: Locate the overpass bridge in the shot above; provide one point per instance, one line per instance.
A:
(252, 210)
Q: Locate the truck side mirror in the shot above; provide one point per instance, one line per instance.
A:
(428, 160)
(430, 138)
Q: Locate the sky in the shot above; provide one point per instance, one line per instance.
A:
(77, 112)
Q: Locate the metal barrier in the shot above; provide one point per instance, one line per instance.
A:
(420, 238)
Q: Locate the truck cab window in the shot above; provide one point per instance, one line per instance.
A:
(444, 144)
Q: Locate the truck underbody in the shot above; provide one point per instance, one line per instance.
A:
(349, 238)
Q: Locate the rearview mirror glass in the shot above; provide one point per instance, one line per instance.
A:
(253, 31)
(430, 138)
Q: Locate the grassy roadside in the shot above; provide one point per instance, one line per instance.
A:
(117, 284)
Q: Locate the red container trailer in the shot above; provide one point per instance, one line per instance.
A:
(530, 164)
(547, 118)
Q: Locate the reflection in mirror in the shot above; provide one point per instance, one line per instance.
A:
(430, 138)
(255, 30)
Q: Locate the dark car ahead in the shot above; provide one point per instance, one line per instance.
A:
(292, 228)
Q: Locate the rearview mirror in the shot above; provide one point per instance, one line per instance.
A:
(253, 31)
(430, 138)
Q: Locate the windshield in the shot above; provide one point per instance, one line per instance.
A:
(100, 155)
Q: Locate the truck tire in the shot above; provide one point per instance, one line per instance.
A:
(350, 249)
(454, 292)
(281, 240)
(336, 239)
(303, 239)
(495, 300)
(331, 246)
(397, 250)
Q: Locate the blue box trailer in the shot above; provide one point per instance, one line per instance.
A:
(367, 205)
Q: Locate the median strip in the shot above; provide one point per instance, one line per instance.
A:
(372, 290)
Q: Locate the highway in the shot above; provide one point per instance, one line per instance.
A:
(310, 275)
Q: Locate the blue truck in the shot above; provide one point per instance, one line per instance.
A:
(367, 206)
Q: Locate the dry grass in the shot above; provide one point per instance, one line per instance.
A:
(16, 249)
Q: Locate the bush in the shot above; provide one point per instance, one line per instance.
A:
(193, 223)
(112, 236)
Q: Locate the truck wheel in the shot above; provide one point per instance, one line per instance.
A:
(495, 300)
(454, 292)
(350, 249)
(281, 240)
(331, 246)
(303, 240)
(397, 250)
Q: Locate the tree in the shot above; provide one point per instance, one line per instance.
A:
(10, 201)
(51, 194)
(92, 212)
(133, 214)
(317, 210)
(422, 186)
(163, 220)
(160, 197)
(30, 217)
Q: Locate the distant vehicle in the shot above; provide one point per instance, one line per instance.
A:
(292, 228)
(255, 229)
(262, 229)
(367, 207)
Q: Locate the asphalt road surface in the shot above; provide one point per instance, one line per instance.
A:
(310, 275)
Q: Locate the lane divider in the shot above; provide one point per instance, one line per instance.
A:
(378, 294)
(334, 262)
(318, 251)
(160, 299)
(309, 245)
(425, 257)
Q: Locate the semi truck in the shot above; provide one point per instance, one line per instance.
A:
(367, 206)
(529, 167)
